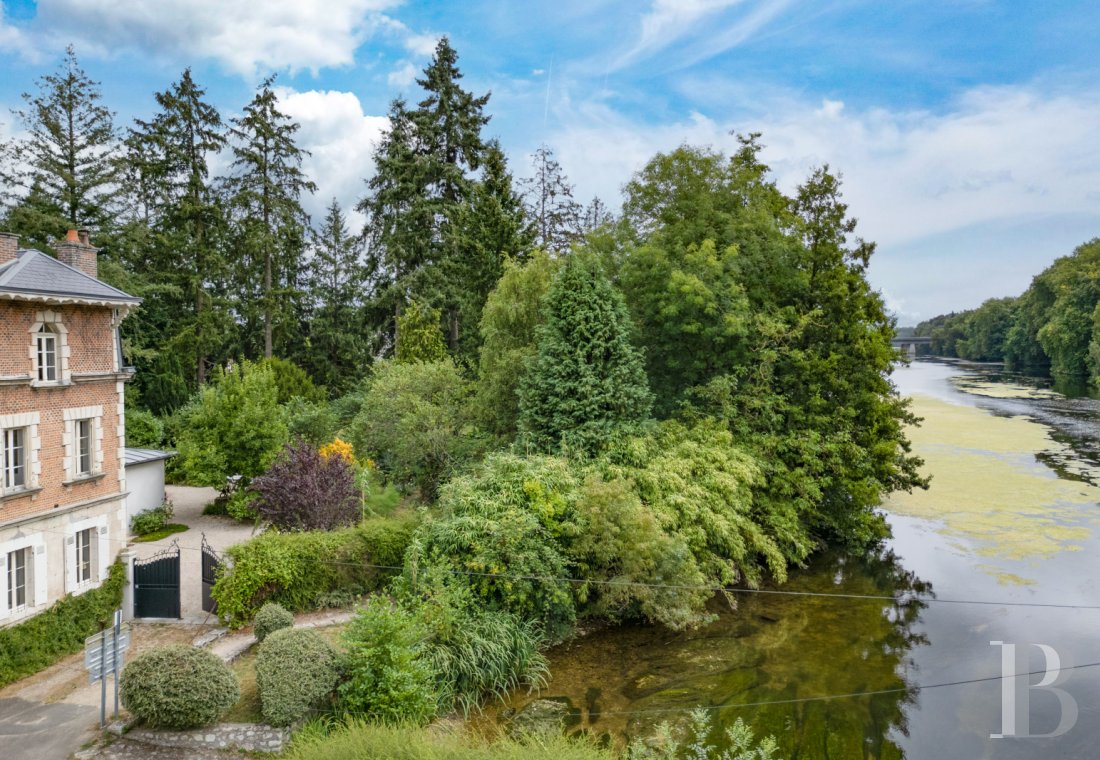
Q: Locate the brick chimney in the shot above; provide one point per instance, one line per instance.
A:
(76, 250)
(9, 244)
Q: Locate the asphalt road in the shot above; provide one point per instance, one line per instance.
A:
(35, 731)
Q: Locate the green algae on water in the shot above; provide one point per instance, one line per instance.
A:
(989, 486)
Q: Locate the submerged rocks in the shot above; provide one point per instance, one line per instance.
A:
(544, 717)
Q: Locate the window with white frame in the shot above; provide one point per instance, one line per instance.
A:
(13, 459)
(82, 432)
(19, 564)
(46, 352)
(83, 566)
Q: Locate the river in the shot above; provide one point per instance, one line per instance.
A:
(1012, 521)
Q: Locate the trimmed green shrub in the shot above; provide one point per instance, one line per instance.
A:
(296, 671)
(178, 686)
(152, 520)
(271, 618)
(387, 679)
(39, 642)
(300, 570)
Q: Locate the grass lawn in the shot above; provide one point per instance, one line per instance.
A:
(164, 532)
(247, 709)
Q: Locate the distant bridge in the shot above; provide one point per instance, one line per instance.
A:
(909, 345)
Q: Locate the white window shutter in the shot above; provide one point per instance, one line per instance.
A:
(104, 552)
(41, 576)
(3, 583)
(70, 564)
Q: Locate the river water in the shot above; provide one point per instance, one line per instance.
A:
(1012, 521)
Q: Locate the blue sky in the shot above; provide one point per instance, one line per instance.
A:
(966, 130)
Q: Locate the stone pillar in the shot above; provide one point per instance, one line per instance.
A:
(126, 556)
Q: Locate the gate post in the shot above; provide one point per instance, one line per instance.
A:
(126, 556)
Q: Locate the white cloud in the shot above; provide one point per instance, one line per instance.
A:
(933, 189)
(341, 139)
(14, 39)
(707, 22)
(245, 38)
(421, 44)
(403, 76)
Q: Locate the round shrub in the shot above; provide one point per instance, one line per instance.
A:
(296, 670)
(271, 618)
(178, 686)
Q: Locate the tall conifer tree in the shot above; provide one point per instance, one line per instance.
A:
(69, 154)
(266, 191)
(556, 218)
(188, 220)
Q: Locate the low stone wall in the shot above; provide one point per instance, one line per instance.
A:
(244, 736)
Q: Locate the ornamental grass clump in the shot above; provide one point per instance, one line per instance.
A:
(178, 686)
(297, 672)
(271, 617)
(303, 490)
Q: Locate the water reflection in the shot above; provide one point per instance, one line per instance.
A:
(783, 650)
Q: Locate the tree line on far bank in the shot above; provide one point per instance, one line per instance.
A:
(1052, 328)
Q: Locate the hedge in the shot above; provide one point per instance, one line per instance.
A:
(300, 570)
(296, 672)
(271, 617)
(178, 686)
(39, 642)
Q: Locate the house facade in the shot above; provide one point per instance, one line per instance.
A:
(62, 425)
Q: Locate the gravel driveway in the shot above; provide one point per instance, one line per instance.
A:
(221, 532)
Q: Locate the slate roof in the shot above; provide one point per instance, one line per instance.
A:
(131, 457)
(36, 274)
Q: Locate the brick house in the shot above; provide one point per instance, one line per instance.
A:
(62, 425)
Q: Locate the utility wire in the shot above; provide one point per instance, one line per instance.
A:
(904, 598)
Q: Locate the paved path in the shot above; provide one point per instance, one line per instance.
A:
(34, 731)
(221, 532)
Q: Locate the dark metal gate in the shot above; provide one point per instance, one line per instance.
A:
(157, 584)
(210, 563)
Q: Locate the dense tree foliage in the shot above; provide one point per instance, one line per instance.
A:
(586, 382)
(512, 313)
(1050, 328)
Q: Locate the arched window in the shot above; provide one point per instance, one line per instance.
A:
(47, 355)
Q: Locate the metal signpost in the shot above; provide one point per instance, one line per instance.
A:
(103, 655)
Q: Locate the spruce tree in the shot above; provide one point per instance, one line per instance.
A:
(487, 230)
(587, 382)
(265, 195)
(69, 154)
(188, 221)
(339, 352)
(556, 218)
(422, 169)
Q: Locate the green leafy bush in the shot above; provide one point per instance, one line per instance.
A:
(233, 426)
(315, 422)
(299, 570)
(296, 671)
(152, 520)
(143, 429)
(415, 423)
(473, 652)
(271, 617)
(178, 686)
(44, 639)
(292, 381)
(240, 504)
(514, 516)
(387, 679)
